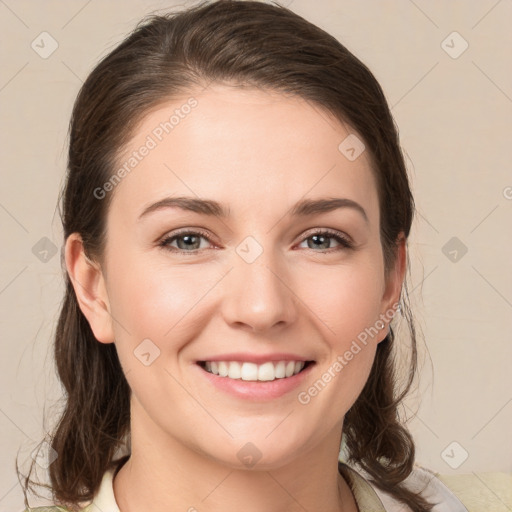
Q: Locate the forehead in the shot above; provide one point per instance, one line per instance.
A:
(244, 147)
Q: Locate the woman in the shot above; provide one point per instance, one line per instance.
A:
(236, 215)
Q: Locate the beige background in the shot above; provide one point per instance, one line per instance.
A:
(454, 116)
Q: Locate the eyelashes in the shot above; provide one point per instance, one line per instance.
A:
(192, 237)
(166, 241)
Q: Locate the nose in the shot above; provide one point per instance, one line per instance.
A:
(259, 296)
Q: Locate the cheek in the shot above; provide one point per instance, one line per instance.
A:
(152, 299)
(348, 310)
(158, 309)
(347, 300)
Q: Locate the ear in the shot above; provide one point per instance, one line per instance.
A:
(393, 287)
(90, 290)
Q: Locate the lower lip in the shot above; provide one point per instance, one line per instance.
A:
(257, 390)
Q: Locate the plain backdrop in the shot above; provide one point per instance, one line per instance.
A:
(445, 69)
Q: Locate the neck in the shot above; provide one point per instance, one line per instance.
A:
(167, 475)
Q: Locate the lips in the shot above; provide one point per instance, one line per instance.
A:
(255, 377)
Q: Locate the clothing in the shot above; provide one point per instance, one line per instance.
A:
(367, 496)
(371, 499)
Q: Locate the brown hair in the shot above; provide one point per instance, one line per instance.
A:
(247, 43)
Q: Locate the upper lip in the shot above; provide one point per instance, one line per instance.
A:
(256, 358)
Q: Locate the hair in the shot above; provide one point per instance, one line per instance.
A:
(247, 43)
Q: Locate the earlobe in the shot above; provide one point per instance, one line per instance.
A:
(90, 290)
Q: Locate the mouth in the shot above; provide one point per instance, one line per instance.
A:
(247, 371)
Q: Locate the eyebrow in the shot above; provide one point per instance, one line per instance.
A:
(213, 208)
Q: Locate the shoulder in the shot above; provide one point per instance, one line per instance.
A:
(426, 483)
(431, 487)
(467, 492)
(487, 491)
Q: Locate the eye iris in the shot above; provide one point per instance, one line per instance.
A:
(325, 242)
(188, 244)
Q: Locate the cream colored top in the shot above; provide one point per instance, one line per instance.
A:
(367, 496)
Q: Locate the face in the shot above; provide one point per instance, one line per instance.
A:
(279, 283)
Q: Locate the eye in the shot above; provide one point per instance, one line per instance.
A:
(190, 241)
(322, 239)
(187, 241)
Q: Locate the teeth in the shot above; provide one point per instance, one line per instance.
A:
(235, 372)
(223, 369)
(266, 372)
(290, 368)
(254, 372)
(280, 370)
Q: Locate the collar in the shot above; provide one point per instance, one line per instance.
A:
(104, 500)
(364, 495)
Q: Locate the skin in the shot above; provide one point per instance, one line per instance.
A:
(257, 153)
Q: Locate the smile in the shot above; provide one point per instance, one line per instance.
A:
(268, 371)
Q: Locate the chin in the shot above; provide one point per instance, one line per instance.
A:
(258, 454)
